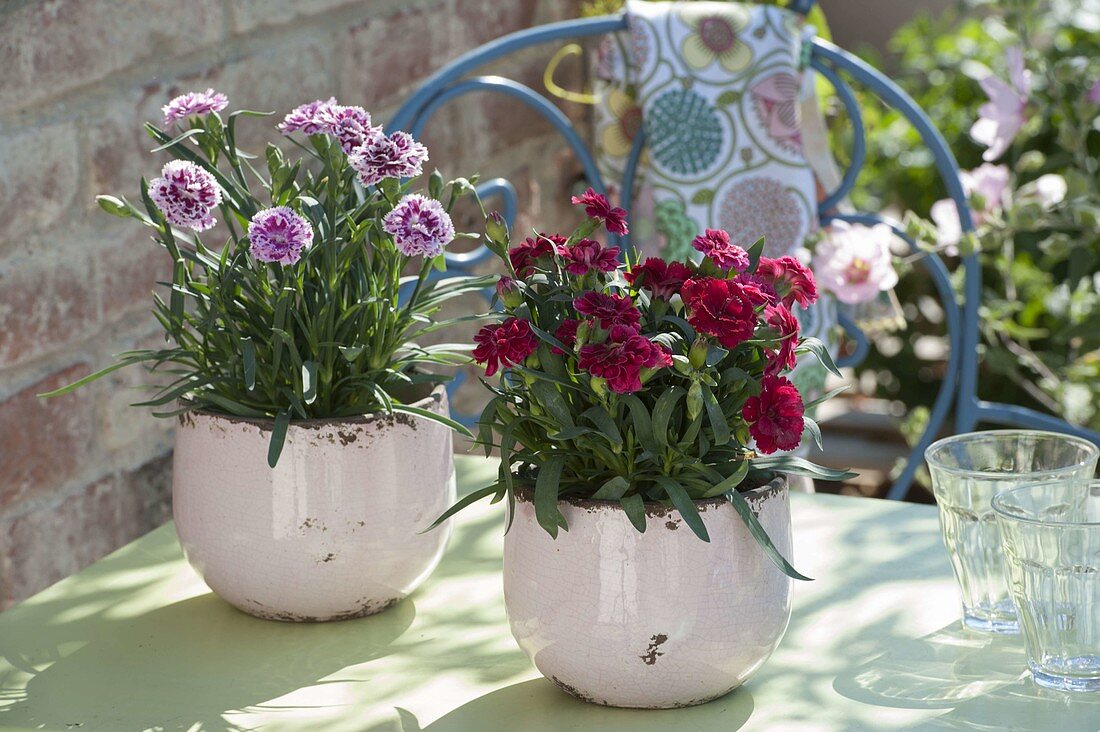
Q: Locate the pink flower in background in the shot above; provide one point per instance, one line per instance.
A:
(775, 100)
(775, 416)
(1000, 119)
(597, 206)
(609, 310)
(1094, 93)
(587, 255)
(715, 245)
(985, 187)
(313, 118)
(186, 194)
(854, 261)
(504, 344)
(419, 225)
(193, 104)
(352, 127)
(279, 234)
(396, 156)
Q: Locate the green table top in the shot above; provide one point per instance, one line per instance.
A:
(137, 641)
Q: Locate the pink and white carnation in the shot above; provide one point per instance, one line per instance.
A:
(314, 118)
(419, 225)
(352, 127)
(854, 261)
(396, 156)
(279, 234)
(985, 189)
(186, 194)
(193, 104)
(1001, 118)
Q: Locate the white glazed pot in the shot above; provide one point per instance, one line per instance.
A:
(332, 532)
(654, 620)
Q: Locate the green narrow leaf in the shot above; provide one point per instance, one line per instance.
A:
(761, 535)
(716, 417)
(612, 490)
(825, 397)
(813, 429)
(553, 401)
(278, 437)
(309, 382)
(755, 251)
(461, 504)
(683, 503)
(456, 426)
(817, 348)
(643, 428)
(634, 507)
(800, 466)
(662, 412)
(88, 379)
(546, 496)
(603, 421)
(728, 484)
(248, 351)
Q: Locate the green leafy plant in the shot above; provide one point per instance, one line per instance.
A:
(314, 300)
(644, 381)
(1037, 201)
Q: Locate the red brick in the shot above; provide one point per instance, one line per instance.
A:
(44, 441)
(49, 48)
(47, 299)
(480, 21)
(48, 544)
(38, 179)
(130, 264)
(116, 154)
(249, 15)
(374, 70)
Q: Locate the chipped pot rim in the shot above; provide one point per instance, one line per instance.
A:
(777, 484)
(437, 396)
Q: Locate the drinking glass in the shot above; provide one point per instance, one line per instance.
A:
(1051, 539)
(967, 471)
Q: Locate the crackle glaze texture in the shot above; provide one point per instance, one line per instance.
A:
(332, 531)
(654, 620)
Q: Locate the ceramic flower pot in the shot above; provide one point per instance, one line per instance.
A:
(650, 620)
(332, 532)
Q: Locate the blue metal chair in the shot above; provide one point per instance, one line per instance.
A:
(958, 390)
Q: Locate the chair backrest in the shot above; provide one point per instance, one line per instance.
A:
(958, 390)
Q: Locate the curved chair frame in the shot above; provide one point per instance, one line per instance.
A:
(957, 391)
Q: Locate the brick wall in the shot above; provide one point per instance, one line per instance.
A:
(83, 474)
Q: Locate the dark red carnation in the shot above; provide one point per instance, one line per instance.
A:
(596, 206)
(621, 358)
(759, 291)
(720, 308)
(506, 344)
(567, 334)
(782, 321)
(610, 310)
(526, 255)
(588, 254)
(791, 279)
(662, 279)
(775, 417)
(715, 245)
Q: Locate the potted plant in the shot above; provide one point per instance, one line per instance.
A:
(313, 443)
(636, 413)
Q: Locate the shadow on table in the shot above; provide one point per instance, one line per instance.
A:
(979, 679)
(185, 666)
(540, 706)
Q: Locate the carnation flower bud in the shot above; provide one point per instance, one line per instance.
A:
(646, 374)
(681, 364)
(698, 353)
(695, 400)
(583, 331)
(509, 293)
(599, 385)
(496, 228)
